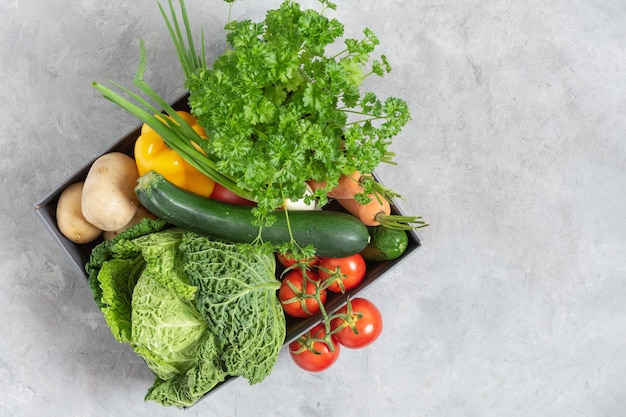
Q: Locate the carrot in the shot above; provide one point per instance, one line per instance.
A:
(371, 213)
(316, 185)
(347, 186)
(378, 212)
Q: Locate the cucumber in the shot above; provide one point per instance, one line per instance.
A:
(333, 234)
(385, 244)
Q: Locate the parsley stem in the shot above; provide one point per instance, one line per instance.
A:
(338, 54)
(357, 122)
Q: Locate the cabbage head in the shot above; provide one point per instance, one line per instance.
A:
(237, 296)
(195, 310)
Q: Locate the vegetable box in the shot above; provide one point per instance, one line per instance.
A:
(79, 253)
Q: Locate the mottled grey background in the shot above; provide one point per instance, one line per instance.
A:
(515, 155)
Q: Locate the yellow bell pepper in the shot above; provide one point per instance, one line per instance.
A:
(151, 153)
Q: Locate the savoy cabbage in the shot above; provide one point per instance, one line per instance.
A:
(195, 310)
(237, 296)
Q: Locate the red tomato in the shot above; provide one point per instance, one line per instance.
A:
(361, 326)
(297, 297)
(222, 193)
(312, 354)
(347, 273)
(287, 261)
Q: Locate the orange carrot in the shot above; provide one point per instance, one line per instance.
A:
(347, 186)
(370, 213)
(377, 212)
(315, 185)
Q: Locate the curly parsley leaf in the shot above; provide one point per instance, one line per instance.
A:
(280, 111)
(278, 108)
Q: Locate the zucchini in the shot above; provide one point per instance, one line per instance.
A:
(385, 244)
(333, 234)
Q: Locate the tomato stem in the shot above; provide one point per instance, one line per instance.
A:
(349, 318)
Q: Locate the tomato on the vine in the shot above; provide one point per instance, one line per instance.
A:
(221, 193)
(346, 273)
(287, 260)
(359, 323)
(297, 294)
(312, 352)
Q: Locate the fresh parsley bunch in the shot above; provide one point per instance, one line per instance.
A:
(280, 111)
(278, 108)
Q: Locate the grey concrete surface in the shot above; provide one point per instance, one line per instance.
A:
(515, 156)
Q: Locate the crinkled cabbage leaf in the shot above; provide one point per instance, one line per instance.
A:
(237, 296)
(104, 252)
(166, 326)
(195, 310)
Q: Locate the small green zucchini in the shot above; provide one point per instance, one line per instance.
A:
(333, 234)
(385, 244)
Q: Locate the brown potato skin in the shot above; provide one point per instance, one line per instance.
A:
(109, 201)
(140, 214)
(70, 220)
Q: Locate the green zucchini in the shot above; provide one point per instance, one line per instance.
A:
(333, 234)
(385, 244)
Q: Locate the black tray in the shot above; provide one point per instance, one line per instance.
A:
(79, 253)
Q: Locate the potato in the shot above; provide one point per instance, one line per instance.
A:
(70, 220)
(109, 201)
(140, 214)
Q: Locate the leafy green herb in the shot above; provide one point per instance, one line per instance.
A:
(280, 111)
(278, 108)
